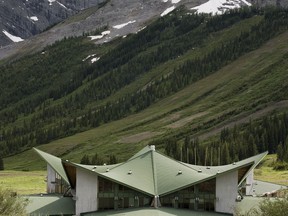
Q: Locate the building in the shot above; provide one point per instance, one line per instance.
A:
(150, 179)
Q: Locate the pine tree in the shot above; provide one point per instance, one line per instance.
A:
(1, 163)
(112, 159)
(280, 152)
(97, 160)
(85, 160)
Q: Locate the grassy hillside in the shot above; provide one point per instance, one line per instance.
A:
(265, 172)
(192, 78)
(198, 104)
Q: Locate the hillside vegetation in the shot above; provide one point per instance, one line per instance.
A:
(179, 81)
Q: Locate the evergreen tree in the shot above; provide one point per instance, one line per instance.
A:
(85, 160)
(97, 160)
(112, 159)
(1, 163)
(280, 152)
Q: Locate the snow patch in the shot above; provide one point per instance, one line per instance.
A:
(99, 36)
(93, 60)
(165, 1)
(175, 1)
(141, 29)
(220, 6)
(168, 10)
(89, 56)
(34, 18)
(12, 37)
(62, 5)
(50, 1)
(123, 25)
(247, 3)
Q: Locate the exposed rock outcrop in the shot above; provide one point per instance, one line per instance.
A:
(24, 18)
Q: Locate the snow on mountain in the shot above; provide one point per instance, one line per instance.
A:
(104, 33)
(123, 25)
(62, 5)
(51, 1)
(175, 1)
(168, 10)
(93, 60)
(12, 37)
(220, 6)
(119, 16)
(34, 18)
(26, 18)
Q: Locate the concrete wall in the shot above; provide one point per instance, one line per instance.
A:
(226, 192)
(86, 191)
(51, 176)
(250, 183)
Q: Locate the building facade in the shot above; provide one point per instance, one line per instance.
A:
(150, 179)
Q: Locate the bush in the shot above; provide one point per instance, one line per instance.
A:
(11, 204)
(269, 207)
(280, 166)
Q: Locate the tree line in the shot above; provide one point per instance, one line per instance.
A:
(269, 133)
(98, 160)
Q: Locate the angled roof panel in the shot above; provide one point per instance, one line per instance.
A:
(172, 175)
(136, 172)
(54, 162)
(142, 151)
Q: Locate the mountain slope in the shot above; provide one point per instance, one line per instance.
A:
(177, 113)
(208, 78)
(121, 18)
(23, 19)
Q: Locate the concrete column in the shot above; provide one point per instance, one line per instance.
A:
(86, 191)
(226, 192)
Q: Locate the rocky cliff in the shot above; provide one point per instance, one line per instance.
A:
(21, 19)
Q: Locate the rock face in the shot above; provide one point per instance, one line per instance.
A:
(120, 16)
(25, 18)
(21, 19)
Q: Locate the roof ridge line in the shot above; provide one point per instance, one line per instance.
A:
(154, 173)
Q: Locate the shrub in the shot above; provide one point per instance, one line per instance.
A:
(268, 207)
(11, 204)
(280, 166)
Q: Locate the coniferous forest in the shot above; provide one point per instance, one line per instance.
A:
(269, 133)
(57, 92)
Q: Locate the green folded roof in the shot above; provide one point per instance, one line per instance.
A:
(153, 173)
